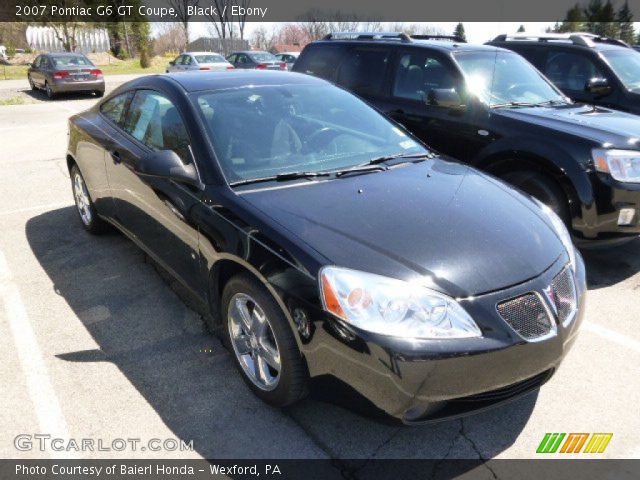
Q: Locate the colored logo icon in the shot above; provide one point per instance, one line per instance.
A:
(574, 443)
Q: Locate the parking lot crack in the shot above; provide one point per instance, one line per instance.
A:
(463, 434)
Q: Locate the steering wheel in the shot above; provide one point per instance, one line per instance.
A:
(320, 138)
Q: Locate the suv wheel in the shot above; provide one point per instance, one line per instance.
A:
(261, 341)
(91, 222)
(31, 84)
(543, 188)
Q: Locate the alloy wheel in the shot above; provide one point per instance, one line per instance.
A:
(83, 202)
(253, 341)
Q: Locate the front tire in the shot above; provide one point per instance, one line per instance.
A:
(258, 335)
(91, 222)
(31, 84)
(544, 189)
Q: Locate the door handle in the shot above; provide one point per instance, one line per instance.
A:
(115, 156)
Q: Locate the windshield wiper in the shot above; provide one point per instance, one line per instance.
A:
(551, 102)
(513, 104)
(280, 177)
(386, 158)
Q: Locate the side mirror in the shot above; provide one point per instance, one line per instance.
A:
(444, 97)
(167, 164)
(597, 86)
(30, 65)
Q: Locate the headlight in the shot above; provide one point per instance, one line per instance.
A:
(561, 230)
(622, 165)
(393, 307)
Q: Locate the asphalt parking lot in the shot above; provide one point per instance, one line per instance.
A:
(95, 344)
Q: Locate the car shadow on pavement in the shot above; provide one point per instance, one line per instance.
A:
(162, 348)
(42, 96)
(611, 265)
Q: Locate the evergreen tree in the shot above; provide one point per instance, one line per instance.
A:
(574, 20)
(521, 29)
(625, 20)
(459, 32)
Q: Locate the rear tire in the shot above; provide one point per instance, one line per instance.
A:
(91, 222)
(49, 91)
(258, 335)
(544, 189)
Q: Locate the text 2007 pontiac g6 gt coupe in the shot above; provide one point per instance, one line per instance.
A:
(327, 240)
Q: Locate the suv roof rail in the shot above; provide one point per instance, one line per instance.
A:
(453, 38)
(576, 38)
(403, 37)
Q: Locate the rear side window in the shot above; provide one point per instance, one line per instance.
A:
(570, 71)
(363, 71)
(114, 108)
(417, 73)
(156, 122)
(320, 61)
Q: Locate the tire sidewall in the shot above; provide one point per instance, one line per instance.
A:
(95, 225)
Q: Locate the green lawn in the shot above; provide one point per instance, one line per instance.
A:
(11, 101)
(158, 65)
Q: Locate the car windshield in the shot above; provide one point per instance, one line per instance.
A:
(626, 65)
(263, 57)
(504, 78)
(263, 131)
(71, 61)
(210, 58)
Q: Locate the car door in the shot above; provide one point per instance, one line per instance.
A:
(38, 75)
(155, 212)
(570, 70)
(232, 59)
(243, 61)
(188, 63)
(416, 72)
(364, 72)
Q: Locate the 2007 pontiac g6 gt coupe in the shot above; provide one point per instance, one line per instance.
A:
(326, 240)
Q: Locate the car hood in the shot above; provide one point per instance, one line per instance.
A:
(601, 125)
(441, 223)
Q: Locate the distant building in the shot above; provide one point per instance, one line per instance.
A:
(218, 45)
(88, 40)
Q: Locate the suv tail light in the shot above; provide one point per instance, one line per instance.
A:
(96, 72)
(261, 66)
(61, 74)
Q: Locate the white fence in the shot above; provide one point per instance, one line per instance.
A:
(88, 40)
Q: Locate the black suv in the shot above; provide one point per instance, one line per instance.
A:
(491, 108)
(587, 68)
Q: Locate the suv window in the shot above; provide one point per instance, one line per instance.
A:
(154, 120)
(114, 107)
(570, 71)
(418, 73)
(320, 61)
(363, 70)
(187, 60)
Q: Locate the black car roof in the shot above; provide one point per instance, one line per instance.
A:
(200, 81)
(65, 54)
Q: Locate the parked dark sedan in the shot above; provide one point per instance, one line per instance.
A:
(256, 60)
(326, 240)
(65, 72)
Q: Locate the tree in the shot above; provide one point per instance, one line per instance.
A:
(625, 20)
(521, 29)
(601, 19)
(459, 32)
(573, 22)
(141, 32)
(182, 12)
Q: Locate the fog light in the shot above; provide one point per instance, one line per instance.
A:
(626, 216)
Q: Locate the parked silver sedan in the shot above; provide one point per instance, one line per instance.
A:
(207, 61)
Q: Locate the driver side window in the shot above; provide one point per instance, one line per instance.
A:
(153, 120)
(570, 71)
(418, 73)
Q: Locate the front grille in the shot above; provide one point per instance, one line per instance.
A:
(527, 316)
(564, 293)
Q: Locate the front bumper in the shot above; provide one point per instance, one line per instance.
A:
(599, 222)
(423, 381)
(64, 86)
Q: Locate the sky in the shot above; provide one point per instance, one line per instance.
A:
(477, 32)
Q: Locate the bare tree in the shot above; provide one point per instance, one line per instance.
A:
(170, 38)
(66, 33)
(221, 19)
(182, 11)
(242, 19)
